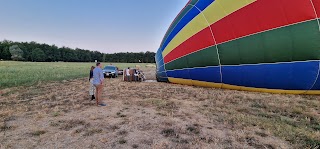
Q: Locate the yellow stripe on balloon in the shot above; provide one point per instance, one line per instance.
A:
(180, 81)
(194, 82)
(213, 13)
(243, 88)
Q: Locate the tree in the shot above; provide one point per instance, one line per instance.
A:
(104, 58)
(16, 53)
(1, 49)
(87, 56)
(38, 55)
(6, 55)
(33, 51)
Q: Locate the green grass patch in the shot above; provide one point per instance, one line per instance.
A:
(38, 133)
(14, 73)
(284, 128)
(122, 141)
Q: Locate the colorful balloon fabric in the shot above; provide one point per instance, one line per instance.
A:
(254, 45)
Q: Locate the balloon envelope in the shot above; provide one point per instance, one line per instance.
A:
(255, 45)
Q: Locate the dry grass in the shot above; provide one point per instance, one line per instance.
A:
(155, 115)
(37, 133)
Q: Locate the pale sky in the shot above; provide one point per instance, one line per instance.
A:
(108, 26)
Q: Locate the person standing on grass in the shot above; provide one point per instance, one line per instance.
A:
(136, 75)
(98, 79)
(128, 74)
(92, 88)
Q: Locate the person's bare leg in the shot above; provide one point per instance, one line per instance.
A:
(100, 92)
(97, 94)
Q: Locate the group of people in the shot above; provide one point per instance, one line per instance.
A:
(137, 75)
(96, 79)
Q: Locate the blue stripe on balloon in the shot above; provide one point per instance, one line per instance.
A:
(162, 74)
(209, 74)
(184, 74)
(163, 79)
(186, 19)
(161, 68)
(286, 76)
(316, 85)
(158, 56)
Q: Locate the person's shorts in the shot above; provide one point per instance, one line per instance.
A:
(96, 85)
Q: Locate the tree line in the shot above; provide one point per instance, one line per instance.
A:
(36, 52)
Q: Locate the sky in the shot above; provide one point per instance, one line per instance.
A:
(107, 26)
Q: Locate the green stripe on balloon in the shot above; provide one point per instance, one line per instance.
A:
(297, 42)
(207, 57)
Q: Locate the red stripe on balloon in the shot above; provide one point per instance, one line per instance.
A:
(199, 41)
(316, 4)
(259, 16)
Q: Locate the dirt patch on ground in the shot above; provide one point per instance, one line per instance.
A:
(154, 115)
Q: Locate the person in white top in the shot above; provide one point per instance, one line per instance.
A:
(128, 74)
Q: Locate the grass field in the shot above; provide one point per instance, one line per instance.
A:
(29, 73)
(59, 114)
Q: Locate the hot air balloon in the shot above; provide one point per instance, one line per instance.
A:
(253, 45)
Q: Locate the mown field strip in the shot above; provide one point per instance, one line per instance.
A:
(28, 73)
